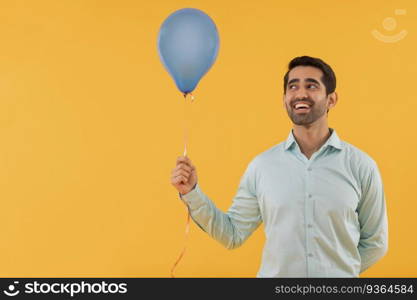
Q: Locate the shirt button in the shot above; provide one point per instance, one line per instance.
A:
(309, 196)
(309, 226)
(309, 169)
(310, 255)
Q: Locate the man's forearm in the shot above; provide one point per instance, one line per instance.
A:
(209, 218)
(371, 254)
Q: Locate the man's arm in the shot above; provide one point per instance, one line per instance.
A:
(373, 242)
(231, 229)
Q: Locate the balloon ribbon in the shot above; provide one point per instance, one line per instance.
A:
(187, 226)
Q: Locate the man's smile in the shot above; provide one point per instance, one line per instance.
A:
(301, 107)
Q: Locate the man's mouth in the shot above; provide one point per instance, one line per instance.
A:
(301, 107)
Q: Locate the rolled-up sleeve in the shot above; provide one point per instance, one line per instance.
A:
(372, 214)
(232, 228)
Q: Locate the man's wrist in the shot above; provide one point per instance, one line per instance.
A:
(188, 191)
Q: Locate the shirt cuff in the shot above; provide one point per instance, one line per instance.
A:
(193, 198)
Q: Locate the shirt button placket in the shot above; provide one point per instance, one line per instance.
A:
(309, 220)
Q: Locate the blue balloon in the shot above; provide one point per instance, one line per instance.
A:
(188, 44)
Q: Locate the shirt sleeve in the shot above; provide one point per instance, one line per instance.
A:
(232, 228)
(373, 243)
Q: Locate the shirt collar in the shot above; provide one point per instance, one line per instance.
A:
(333, 140)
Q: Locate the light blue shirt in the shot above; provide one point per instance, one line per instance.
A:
(324, 216)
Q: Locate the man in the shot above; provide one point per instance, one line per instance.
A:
(320, 198)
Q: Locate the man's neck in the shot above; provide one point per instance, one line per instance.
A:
(311, 137)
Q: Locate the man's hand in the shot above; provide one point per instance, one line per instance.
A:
(184, 175)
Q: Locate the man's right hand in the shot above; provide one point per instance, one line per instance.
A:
(184, 175)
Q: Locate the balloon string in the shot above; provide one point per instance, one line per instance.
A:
(187, 230)
(185, 125)
(187, 226)
(186, 129)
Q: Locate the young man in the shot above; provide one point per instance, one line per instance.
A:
(320, 198)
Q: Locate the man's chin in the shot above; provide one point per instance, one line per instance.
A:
(306, 124)
(301, 121)
(306, 119)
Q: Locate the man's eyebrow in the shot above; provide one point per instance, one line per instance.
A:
(293, 80)
(307, 80)
(312, 80)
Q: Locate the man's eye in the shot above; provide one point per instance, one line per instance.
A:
(311, 86)
(291, 87)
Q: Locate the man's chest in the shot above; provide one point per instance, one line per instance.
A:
(313, 189)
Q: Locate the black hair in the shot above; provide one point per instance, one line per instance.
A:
(328, 78)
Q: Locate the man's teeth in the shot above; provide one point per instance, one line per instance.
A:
(301, 105)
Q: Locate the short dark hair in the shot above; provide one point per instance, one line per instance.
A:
(328, 78)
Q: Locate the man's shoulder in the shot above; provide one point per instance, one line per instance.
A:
(269, 154)
(358, 156)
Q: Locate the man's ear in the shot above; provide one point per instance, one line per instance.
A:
(332, 97)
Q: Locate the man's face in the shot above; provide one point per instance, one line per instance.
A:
(305, 98)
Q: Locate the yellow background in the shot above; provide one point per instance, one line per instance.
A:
(91, 125)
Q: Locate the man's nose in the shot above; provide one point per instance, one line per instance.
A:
(301, 93)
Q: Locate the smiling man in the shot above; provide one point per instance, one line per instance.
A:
(320, 198)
